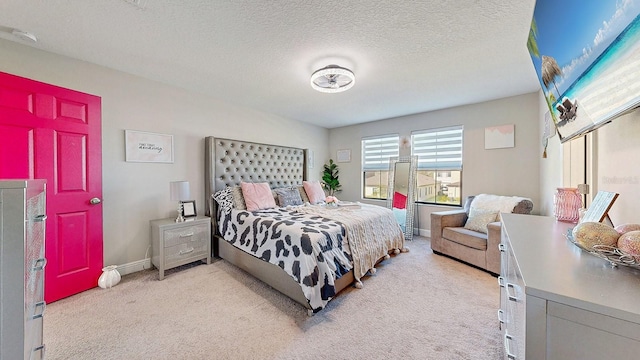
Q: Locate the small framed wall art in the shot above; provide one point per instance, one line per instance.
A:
(143, 146)
(499, 137)
(343, 155)
(189, 208)
(310, 158)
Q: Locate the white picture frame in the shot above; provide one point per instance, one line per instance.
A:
(499, 137)
(189, 208)
(343, 156)
(599, 208)
(310, 159)
(142, 146)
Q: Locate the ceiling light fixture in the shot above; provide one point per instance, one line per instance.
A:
(333, 79)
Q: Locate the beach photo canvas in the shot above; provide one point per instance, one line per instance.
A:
(587, 57)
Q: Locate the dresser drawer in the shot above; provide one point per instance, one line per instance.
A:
(187, 234)
(183, 253)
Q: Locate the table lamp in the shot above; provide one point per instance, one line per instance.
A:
(179, 192)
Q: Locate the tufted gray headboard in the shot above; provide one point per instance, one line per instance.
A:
(229, 162)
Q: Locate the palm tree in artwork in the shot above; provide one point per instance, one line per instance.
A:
(550, 70)
(532, 43)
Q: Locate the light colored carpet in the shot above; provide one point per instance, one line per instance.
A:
(417, 306)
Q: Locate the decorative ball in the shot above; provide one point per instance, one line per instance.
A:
(588, 234)
(630, 243)
(396, 251)
(625, 228)
(387, 257)
(359, 284)
(372, 271)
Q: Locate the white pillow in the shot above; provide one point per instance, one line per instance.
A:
(479, 219)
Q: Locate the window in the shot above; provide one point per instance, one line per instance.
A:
(376, 152)
(439, 165)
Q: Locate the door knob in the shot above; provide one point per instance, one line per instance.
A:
(95, 201)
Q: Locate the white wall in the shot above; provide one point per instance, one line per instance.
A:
(551, 166)
(618, 169)
(134, 193)
(615, 154)
(512, 171)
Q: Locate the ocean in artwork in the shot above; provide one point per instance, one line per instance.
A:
(611, 85)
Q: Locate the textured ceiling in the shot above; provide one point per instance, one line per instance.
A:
(408, 56)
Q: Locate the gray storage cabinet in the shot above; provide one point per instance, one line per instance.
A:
(22, 262)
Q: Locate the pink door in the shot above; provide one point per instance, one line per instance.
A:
(47, 132)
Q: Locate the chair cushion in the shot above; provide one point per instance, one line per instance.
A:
(466, 237)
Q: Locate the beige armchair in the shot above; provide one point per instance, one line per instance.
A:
(450, 237)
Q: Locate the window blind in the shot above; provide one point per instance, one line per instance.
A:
(438, 149)
(376, 151)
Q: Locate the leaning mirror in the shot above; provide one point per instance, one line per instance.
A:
(400, 197)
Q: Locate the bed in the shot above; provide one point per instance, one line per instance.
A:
(307, 252)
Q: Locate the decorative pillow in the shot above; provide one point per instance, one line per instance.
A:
(238, 199)
(288, 196)
(399, 200)
(314, 191)
(467, 204)
(257, 196)
(224, 198)
(303, 194)
(524, 207)
(479, 218)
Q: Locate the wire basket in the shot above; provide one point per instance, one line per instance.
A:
(612, 254)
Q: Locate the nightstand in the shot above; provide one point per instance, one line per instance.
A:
(178, 243)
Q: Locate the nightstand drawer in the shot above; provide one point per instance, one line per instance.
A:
(179, 243)
(181, 252)
(185, 235)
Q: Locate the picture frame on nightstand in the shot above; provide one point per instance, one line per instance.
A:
(189, 208)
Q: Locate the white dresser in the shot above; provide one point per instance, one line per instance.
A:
(22, 231)
(559, 302)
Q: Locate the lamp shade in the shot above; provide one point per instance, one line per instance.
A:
(179, 190)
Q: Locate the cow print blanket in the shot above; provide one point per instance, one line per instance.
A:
(309, 247)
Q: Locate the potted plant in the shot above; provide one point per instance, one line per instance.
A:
(330, 180)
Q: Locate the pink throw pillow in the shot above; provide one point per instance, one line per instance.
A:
(314, 191)
(257, 196)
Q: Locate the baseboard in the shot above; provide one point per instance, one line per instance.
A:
(424, 232)
(135, 266)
